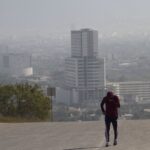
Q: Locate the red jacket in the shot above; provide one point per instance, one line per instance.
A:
(112, 104)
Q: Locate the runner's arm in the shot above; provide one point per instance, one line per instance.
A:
(117, 102)
(102, 106)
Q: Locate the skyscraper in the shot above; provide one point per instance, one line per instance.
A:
(84, 43)
(85, 72)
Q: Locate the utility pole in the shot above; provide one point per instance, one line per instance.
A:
(51, 92)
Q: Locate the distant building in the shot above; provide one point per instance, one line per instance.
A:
(85, 72)
(16, 64)
(132, 91)
(63, 95)
(84, 43)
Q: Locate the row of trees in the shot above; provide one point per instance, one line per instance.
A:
(24, 101)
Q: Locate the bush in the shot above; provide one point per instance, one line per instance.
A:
(25, 101)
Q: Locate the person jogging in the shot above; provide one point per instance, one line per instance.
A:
(112, 103)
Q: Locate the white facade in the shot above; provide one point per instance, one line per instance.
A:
(133, 90)
(89, 73)
(85, 73)
(28, 72)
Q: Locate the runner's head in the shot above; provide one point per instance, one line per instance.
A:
(110, 94)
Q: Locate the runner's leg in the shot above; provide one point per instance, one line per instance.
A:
(115, 127)
(107, 125)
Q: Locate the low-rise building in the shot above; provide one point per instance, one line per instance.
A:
(131, 91)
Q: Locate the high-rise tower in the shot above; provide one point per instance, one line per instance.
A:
(85, 72)
(84, 43)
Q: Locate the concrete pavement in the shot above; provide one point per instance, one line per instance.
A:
(133, 135)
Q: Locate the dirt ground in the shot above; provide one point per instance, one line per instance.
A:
(133, 135)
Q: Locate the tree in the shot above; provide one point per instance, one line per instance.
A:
(24, 100)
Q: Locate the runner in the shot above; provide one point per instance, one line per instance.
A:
(112, 103)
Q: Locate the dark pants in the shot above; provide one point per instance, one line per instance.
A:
(108, 121)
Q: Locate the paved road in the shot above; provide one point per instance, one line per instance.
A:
(133, 135)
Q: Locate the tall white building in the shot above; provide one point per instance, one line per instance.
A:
(85, 72)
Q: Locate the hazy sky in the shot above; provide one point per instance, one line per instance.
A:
(19, 17)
